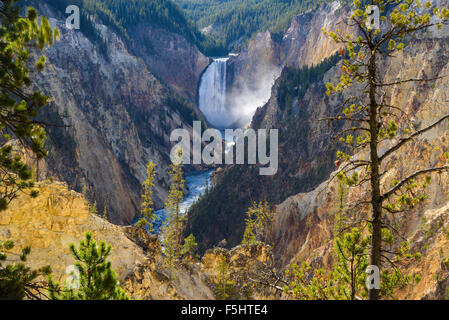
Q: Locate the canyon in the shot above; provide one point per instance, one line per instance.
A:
(111, 114)
(115, 109)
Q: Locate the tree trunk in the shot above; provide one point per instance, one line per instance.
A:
(376, 200)
(37, 170)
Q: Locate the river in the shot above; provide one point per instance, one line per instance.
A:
(196, 182)
(212, 103)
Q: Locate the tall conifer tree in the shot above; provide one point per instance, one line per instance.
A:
(174, 226)
(147, 216)
(372, 120)
(18, 105)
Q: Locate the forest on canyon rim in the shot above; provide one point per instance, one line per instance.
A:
(92, 208)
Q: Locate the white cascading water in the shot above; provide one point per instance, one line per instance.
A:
(212, 94)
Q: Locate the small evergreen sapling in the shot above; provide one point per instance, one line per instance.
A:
(258, 223)
(225, 289)
(188, 249)
(97, 280)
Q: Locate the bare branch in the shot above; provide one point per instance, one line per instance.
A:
(343, 118)
(406, 81)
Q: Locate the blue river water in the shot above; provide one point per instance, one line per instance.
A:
(196, 182)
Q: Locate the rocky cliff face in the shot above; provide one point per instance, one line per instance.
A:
(172, 58)
(59, 217)
(110, 141)
(112, 115)
(300, 42)
(302, 231)
(253, 72)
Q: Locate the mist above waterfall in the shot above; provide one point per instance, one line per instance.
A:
(224, 110)
(247, 96)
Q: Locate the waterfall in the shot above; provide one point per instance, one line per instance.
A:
(212, 94)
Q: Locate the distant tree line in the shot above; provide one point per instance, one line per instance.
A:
(235, 22)
(122, 15)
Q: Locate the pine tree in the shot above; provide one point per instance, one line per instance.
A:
(174, 226)
(97, 280)
(17, 281)
(93, 208)
(189, 247)
(351, 261)
(308, 283)
(258, 222)
(148, 217)
(19, 107)
(372, 120)
(225, 287)
(345, 280)
(350, 252)
(105, 215)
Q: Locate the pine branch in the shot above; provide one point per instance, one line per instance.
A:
(403, 141)
(410, 177)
